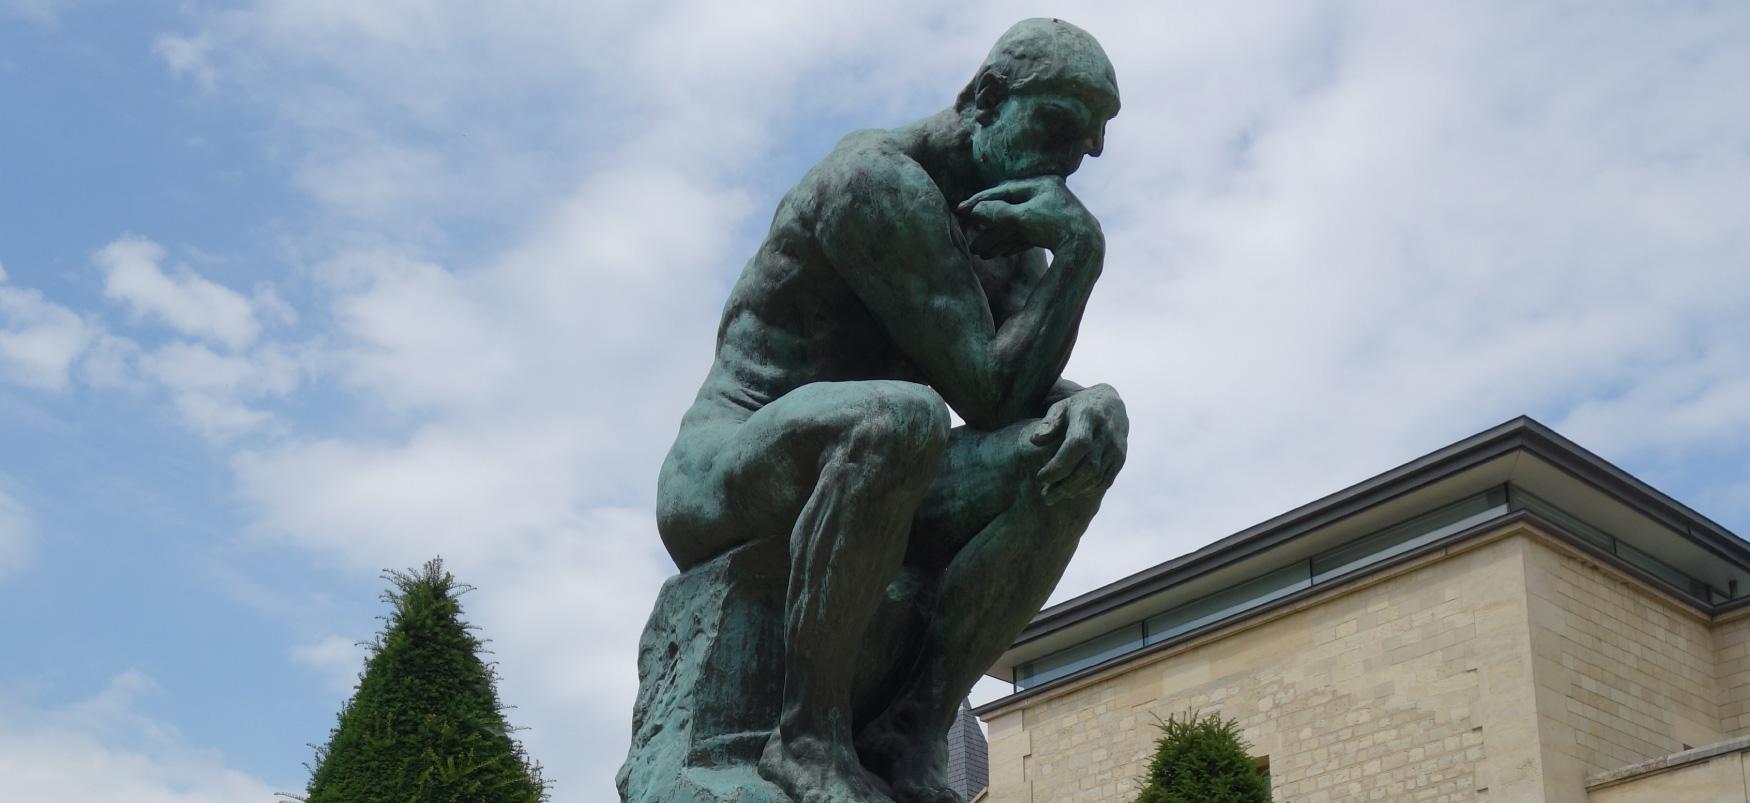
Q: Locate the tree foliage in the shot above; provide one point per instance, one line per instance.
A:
(1202, 760)
(425, 725)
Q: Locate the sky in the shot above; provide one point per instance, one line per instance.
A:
(296, 291)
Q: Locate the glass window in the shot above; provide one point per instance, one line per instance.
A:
(1525, 501)
(1632, 556)
(1662, 570)
(1081, 656)
(1404, 537)
(1227, 602)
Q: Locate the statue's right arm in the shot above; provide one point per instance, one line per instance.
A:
(886, 229)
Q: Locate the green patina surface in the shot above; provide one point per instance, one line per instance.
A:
(851, 562)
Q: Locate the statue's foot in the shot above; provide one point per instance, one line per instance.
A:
(915, 767)
(814, 771)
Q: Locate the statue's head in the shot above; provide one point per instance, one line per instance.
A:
(1040, 102)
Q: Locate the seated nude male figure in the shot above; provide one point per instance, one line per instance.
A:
(905, 276)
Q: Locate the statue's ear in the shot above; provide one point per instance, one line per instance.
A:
(988, 91)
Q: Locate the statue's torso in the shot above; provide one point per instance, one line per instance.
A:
(792, 318)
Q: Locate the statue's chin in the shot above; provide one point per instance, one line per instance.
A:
(997, 164)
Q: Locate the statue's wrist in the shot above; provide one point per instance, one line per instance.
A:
(1087, 246)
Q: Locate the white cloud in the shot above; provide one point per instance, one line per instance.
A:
(102, 749)
(461, 494)
(39, 339)
(374, 180)
(1701, 404)
(268, 304)
(338, 659)
(45, 345)
(110, 362)
(219, 418)
(564, 617)
(41, 12)
(16, 533)
(38, 10)
(419, 334)
(187, 55)
(213, 392)
(186, 302)
(193, 366)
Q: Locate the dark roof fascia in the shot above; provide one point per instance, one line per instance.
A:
(1497, 524)
(1582, 464)
(1522, 433)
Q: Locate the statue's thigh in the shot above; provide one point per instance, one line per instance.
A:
(982, 475)
(734, 482)
(988, 486)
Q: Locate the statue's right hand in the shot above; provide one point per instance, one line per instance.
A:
(1038, 212)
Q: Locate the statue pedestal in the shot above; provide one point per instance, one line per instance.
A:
(710, 681)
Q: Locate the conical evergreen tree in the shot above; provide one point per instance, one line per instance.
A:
(425, 725)
(1202, 760)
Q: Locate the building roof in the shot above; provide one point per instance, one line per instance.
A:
(1577, 491)
(968, 754)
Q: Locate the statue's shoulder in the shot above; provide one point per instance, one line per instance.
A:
(867, 170)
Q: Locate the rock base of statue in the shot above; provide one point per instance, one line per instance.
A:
(710, 680)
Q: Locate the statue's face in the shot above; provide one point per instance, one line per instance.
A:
(1041, 133)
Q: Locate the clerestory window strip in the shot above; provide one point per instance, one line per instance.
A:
(1340, 563)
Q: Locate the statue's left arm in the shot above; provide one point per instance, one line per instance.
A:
(1091, 422)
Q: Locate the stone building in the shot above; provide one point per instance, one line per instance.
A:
(1508, 619)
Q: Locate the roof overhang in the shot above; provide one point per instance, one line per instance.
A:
(1521, 452)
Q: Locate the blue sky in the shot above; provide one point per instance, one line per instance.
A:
(294, 292)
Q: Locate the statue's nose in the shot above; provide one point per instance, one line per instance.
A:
(1096, 143)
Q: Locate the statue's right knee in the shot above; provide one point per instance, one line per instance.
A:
(905, 420)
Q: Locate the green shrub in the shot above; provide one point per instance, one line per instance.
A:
(1202, 760)
(425, 725)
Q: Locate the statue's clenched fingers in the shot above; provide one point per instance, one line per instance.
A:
(1018, 191)
(1083, 479)
(1069, 455)
(997, 216)
(991, 212)
(1051, 425)
(1005, 193)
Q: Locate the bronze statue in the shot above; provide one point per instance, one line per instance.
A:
(851, 563)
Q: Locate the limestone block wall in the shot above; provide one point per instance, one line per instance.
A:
(1732, 672)
(1412, 686)
(1624, 674)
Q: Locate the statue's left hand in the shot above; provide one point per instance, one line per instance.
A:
(1091, 428)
